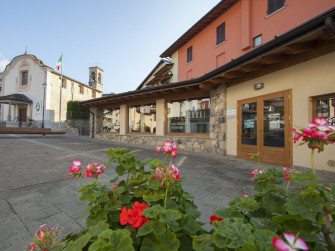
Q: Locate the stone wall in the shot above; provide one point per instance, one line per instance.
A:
(215, 143)
(190, 143)
(76, 126)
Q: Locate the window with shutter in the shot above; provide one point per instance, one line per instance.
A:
(274, 5)
(189, 54)
(220, 33)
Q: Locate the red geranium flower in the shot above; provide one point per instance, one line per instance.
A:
(214, 217)
(134, 216)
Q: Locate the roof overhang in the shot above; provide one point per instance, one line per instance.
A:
(15, 99)
(305, 42)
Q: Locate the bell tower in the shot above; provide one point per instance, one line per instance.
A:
(95, 77)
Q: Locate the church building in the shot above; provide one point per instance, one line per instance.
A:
(32, 92)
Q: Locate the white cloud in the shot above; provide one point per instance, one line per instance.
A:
(3, 63)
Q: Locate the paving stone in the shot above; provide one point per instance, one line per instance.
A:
(5, 209)
(33, 206)
(12, 231)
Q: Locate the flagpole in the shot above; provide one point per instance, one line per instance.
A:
(60, 90)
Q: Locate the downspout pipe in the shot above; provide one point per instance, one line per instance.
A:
(330, 25)
(93, 123)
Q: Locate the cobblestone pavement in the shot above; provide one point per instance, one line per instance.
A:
(35, 188)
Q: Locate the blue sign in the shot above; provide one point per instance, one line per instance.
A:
(249, 123)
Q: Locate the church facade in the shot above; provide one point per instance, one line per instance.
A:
(32, 92)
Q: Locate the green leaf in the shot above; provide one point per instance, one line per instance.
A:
(168, 215)
(262, 223)
(93, 219)
(86, 210)
(79, 243)
(153, 196)
(202, 242)
(125, 199)
(152, 212)
(145, 229)
(121, 241)
(140, 178)
(169, 241)
(246, 203)
(274, 204)
(189, 224)
(265, 237)
(87, 195)
(98, 228)
(113, 205)
(120, 170)
(228, 213)
(158, 227)
(303, 177)
(231, 235)
(151, 242)
(305, 206)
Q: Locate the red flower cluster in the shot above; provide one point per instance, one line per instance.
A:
(254, 173)
(168, 147)
(75, 169)
(288, 171)
(214, 217)
(93, 170)
(316, 134)
(134, 216)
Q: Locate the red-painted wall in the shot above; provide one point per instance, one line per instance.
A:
(244, 20)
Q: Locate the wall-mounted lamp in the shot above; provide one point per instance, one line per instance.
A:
(258, 86)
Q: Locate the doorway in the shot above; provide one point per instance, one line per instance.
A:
(23, 115)
(264, 127)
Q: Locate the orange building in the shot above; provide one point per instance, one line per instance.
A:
(235, 83)
(234, 27)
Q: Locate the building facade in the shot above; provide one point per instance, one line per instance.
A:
(236, 92)
(28, 85)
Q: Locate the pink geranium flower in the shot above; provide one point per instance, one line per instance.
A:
(32, 247)
(158, 149)
(76, 162)
(293, 243)
(320, 121)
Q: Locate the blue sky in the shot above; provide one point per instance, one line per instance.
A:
(123, 37)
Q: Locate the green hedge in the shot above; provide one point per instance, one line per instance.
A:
(75, 111)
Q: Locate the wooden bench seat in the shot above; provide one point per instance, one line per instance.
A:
(19, 130)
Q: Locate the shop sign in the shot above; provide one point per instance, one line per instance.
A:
(249, 123)
(274, 121)
(231, 113)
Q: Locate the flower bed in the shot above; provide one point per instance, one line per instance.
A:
(146, 207)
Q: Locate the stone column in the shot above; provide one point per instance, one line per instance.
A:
(9, 116)
(160, 117)
(123, 119)
(218, 127)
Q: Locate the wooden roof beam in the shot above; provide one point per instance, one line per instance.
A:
(234, 74)
(273, 59)
(300, 47)
(250, 67)
(218, 80)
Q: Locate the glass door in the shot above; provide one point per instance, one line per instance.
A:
(264, 127)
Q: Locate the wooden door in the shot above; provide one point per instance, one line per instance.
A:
(23, 114)
(264, 127)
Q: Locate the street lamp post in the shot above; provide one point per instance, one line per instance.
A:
(44, 87)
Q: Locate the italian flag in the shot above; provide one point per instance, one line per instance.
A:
(59, 62)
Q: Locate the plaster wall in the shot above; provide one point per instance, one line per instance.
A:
(245, 20)
(312, 78)
(174, 69)
(33, 90)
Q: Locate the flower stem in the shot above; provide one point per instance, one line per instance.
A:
(166, 191)
(312, 159)
(80, 182)
(166, 155)
(259, 164)
(288, 183)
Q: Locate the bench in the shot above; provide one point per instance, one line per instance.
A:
(20, 130)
